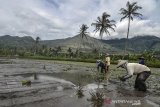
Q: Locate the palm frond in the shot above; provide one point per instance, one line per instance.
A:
(96, 24)
(131, 18)
(99, 19)
(130, 11)
(133, 4)
(123, 18)
(137, 15)
(102, 24)
(107, 32)
(83, 30)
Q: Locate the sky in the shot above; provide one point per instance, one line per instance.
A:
(57, 19)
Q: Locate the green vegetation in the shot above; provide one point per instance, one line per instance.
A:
(26, 82)
(91, 58)
(79, 91)
(97, 99)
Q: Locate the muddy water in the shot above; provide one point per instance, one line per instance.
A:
(56, 86)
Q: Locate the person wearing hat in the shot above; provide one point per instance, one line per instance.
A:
(107, 64)
(142, 72)
(141, 60)
(101, 64)
(107, 61)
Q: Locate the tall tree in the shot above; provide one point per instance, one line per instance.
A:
(70, 52)
(36, 43)
(58, 50)
(83, 33)
(103, 24)
(130, 12)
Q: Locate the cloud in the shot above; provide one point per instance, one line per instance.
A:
(137, 28)
(54, 19)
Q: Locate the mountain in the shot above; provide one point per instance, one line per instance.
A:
(76, 42)
(137, 44)
(15, 41)
(85, 45)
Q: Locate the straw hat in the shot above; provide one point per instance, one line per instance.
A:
(107, 54)
(121, 62)
(141, 57)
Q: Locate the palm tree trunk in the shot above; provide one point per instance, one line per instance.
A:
(79, 46)
(101, 50)
(126, 43)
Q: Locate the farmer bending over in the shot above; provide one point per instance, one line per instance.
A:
(101, 64)
(142, 72)
(141, 60)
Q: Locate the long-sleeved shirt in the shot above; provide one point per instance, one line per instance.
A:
(135, 68)
(107, 61)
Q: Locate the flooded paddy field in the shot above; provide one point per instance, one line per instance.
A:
(54, 84)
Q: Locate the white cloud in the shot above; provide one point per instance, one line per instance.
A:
(53, 19)
(137, 27)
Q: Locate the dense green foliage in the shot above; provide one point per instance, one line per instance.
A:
(91, 58)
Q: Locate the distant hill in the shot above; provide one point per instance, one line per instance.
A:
(15, 41)
(85, 44)
(135, 44)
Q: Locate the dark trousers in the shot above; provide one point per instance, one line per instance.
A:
(140, 80)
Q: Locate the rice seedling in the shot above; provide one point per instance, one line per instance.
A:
(26, 82)
(79, 91)
(97, 99)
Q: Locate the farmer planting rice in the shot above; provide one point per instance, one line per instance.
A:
(101, 65)
(107, 64)
(142, 72)
(141, 60)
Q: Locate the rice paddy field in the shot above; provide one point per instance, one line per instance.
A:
(43, 83)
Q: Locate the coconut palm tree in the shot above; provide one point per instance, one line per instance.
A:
(103, 24)
(83, 33)
(130, 12)
(36, 43)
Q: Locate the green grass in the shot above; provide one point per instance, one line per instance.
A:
(61, 59)
(155, 63)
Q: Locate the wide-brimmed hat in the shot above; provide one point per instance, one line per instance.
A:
(107, 54)
(141, 57)
(121, 62)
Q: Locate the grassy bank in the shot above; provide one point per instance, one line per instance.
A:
(155, 63)
(60, 59)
